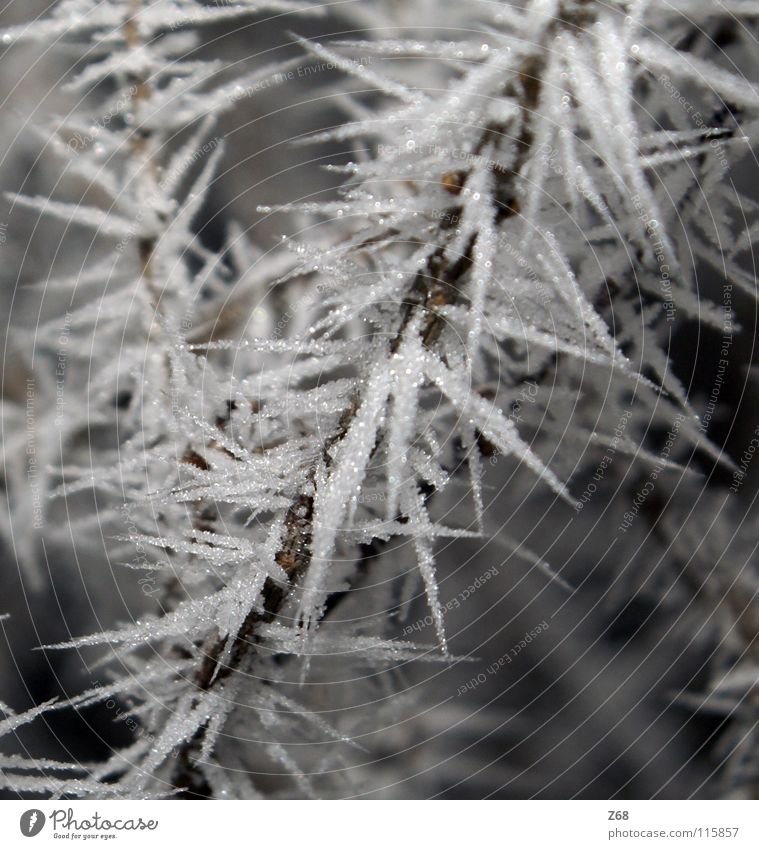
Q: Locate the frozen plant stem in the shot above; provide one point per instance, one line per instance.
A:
(140, 143)
(438, 284)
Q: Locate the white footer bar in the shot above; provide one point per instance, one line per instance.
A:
(385, 825)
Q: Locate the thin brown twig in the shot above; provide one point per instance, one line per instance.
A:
(437, 285)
